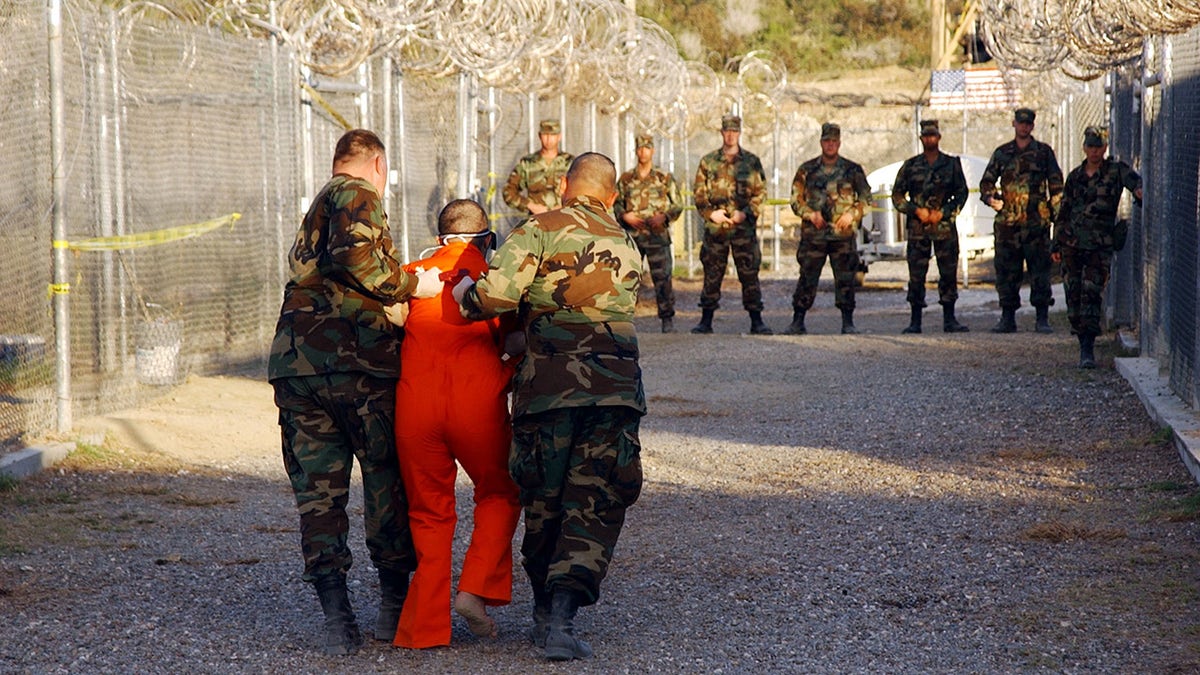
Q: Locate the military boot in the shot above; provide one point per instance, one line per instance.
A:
(561, 643)
(949, 323)
(668, 324)
(1043, 320)
(393, 588)
(848, 322)
(797, 325)
(705, 325)
(1087, 354)
(1008, 321)
(914, 324)
(757, 327)
(541, 618)
(341, 636)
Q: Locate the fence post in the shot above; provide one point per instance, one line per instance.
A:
(58, 185)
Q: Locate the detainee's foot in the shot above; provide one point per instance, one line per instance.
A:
(472, 608)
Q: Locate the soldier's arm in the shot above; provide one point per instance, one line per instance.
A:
(674, 204)
(799, 195)
(987, 184)
(862, 190)
(509, 276)
(758, 189)
(958, 193)
(512, 190)
(900, 191)
(1132, 181)
(1054, 180)
(619, 206)
(700, 193)
(361, 249)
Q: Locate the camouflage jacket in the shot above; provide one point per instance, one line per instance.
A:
(534, 181)
(938, 186)
(343, 270)
(832, 191)
(573, 275)
(656, 193)
(1088, 213)
(735, 184)
(1031, 184)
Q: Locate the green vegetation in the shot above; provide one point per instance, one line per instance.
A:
(812, 37)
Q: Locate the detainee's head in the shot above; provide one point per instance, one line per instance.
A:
(361, 154)
(591, 174)
(462, 216)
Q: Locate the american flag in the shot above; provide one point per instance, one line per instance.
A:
(973, 89)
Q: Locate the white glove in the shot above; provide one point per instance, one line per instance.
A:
(429, 283)
(397, 314)
(460, 289)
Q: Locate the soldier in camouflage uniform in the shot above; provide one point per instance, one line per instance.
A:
(830, 194)
(533, 185)
(931, 189)
(647, 202)
(334, 363)
(1031, 186)
(729, 190)
(1086, 234)
(573, 276)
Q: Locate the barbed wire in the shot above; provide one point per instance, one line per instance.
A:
(1082, 38)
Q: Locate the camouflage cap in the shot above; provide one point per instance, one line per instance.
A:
(731, 123)
(831, 132)
(549, 125)
(1026, 115)
(645, 141)
(930, 128)
(1095, 137)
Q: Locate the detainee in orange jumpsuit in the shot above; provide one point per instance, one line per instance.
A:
(453, 393)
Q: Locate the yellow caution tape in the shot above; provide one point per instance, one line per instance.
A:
(58, 289)
(144, 239)
(326, 105)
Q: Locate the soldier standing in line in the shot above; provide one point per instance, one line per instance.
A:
(334, 364)
(573, 274)
(1031, 186)
(931, 189)
(533, 185)
(647, 202)
(729, 190)
(1086, 233)
(830, 194)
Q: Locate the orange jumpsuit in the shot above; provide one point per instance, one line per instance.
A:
(451, 405)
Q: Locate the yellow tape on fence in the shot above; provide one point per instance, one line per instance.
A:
(144, 239)
(326, 105)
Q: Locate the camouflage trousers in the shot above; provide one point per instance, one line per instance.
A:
(1018, 247)
(660, 261)
(1085, 273)
(327, 421)
(747, 259)
(578, 469)
(917, 251)
(843, 258)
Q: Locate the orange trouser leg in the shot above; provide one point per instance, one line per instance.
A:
(428, 472)
(482, 449)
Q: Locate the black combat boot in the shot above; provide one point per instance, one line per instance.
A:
(914, 324)
(1087, 354)
(341, 636)
(541, 618)
(705, 325)
(949, 323)
(1008, 321)
(1043, 320)
(561, 643)
(797, 325)
(848, 322)
(668, 325)
(757, 327)
(393, 588)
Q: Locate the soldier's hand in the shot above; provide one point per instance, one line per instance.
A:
(935, 216)
(460, 289)
(818, 220)
(995, 203)
(429, 282)
(633, 220)
(1056, 257)
(720, 217)
(657, 221)
(536, 208)
(845, 223)
(922, 214)
(396, 314)
(738, 217)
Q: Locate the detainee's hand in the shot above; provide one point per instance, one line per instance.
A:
(514, 343)
(429, 282)
(396, 314)
(460, 289)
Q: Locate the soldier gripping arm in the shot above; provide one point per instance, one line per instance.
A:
(510, 274)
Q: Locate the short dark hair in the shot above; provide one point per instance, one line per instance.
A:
(357, 143)
(593, 168)
(462, 216)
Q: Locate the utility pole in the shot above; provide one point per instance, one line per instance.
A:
(937, 32)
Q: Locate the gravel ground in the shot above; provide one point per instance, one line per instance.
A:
(875, 503)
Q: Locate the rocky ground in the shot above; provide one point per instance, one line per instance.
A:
(876, 503)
